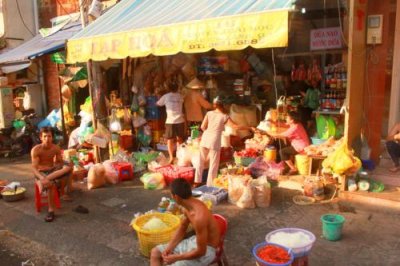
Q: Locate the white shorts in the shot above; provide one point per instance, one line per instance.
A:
(187, 245)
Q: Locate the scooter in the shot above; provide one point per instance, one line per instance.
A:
(9, 146)
(28, 135)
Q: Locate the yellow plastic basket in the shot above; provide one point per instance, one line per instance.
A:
(148, 239)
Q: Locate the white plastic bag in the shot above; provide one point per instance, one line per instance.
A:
(246, 201)
(95, 8)
(111, 174)
(184, 155)
(262, 192)
(27, 100)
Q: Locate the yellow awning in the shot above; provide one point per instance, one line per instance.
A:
(260, 29)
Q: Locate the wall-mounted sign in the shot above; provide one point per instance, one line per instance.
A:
(326, 38)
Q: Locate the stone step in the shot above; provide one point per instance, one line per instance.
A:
(388, 200)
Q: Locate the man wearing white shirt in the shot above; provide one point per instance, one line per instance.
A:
(175, 123)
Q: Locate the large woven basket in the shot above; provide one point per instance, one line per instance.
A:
(148, 239)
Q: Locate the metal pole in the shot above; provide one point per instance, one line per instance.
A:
(61, 109)
(90, 83)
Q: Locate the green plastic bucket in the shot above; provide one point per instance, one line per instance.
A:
(332, 225)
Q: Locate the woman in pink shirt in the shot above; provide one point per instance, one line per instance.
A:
(298, 138)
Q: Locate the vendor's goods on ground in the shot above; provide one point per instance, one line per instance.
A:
(160, 232)
(268, 254)
(299, 240)
(213, 194)
(248, 193)
(342, 160)
(171, 172)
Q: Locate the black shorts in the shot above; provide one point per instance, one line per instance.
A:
(58, 180)
(175, 130)
(286, 152)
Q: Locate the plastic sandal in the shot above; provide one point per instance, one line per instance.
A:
(49, 217)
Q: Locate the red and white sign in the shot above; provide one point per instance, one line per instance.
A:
(326, 38)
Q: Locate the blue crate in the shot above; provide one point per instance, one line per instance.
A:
(153, 113)
(215, 194)
(151, 101)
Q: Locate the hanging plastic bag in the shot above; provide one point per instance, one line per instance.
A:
(135, 103)
(143, 139)
(138, 120)
(95, 8)
(115, 125)
(27, 101)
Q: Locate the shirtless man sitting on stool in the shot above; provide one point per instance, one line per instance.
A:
(49, 169)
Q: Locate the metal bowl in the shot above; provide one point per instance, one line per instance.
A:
(11, 195)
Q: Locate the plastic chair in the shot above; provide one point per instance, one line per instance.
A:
(42, 200)
(223, 227)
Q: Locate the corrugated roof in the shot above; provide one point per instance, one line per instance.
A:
(39, 45)
(130, 15)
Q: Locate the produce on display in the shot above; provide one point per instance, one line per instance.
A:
(290, 240)
(273, 254)
(324, 149)
(258, 142)
(154, 224)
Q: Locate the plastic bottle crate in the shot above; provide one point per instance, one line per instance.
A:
(172, 172)
(153, 113)
(124, 170)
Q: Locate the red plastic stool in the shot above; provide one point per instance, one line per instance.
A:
(42, 200)
(124, 170)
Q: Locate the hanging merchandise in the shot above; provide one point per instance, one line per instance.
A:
(143, 138)
(135, 103)
(326, 127)
(365, 149)
(138, 120)
(27, 100)
(115, 125)
(95, 8)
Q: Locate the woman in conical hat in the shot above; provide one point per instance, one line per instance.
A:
(194, 103)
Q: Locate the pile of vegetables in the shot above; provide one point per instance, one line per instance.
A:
(273, 254)
(259, 141)
(249, 153)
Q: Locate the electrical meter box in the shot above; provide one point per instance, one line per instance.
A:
(374, 29)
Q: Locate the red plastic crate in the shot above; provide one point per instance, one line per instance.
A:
(124, 170)
(171, 172)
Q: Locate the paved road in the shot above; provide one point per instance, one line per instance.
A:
(104, 237)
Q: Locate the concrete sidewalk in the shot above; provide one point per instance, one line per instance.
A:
(104, 237)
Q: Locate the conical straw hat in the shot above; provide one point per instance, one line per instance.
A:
(195, 84)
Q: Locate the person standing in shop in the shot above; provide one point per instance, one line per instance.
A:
(194, 102)
(210, 145)
(175, 123)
